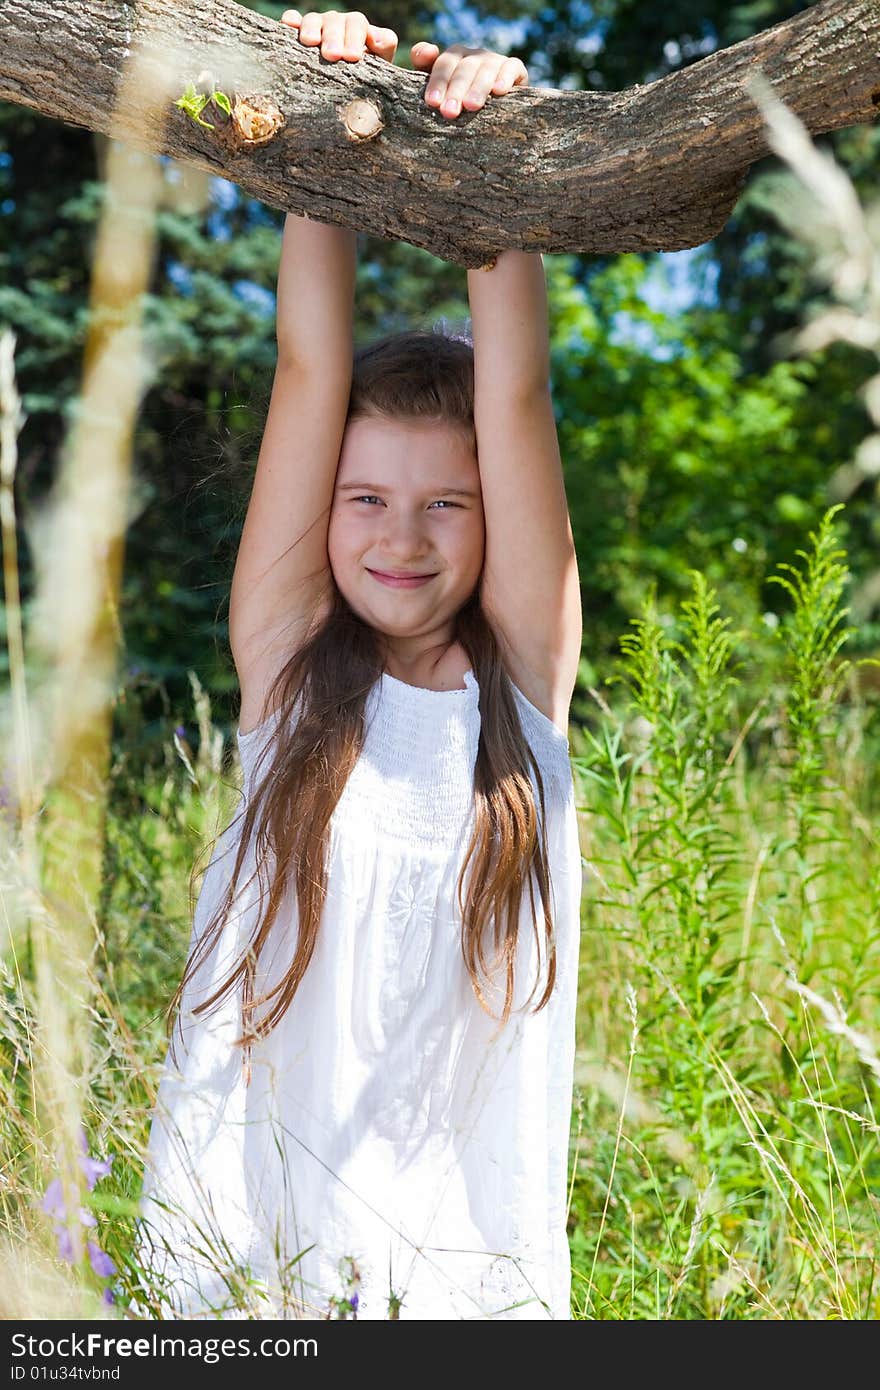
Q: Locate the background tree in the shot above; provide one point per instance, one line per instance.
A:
(754, 270)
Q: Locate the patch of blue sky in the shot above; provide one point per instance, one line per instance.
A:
(180, 276)
(627, 328)
(218, 226)
(592, 43)
(258, 214)
(248, 293)
(458, 23)
(674, 52)
(255, 297)
(680, 280)
(687, 50)
(224, 194)
(676, 282)
(227, 198)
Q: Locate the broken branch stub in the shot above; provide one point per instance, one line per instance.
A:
(361, 119)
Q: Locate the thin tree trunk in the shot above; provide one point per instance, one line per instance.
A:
(656, 167)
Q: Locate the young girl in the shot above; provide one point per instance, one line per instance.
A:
(366, 1104)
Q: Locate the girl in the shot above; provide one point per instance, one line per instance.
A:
(365, 1107)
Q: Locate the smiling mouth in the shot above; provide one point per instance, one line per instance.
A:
(401, 581)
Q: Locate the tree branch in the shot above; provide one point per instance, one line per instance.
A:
(651, 168)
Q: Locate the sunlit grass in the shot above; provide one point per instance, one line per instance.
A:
(733, 886)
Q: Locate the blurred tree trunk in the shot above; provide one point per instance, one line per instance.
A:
(657, 167)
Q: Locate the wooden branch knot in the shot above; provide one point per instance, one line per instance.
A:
(256, 120)
(362, 119)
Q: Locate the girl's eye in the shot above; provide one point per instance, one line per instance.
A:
(371, 497)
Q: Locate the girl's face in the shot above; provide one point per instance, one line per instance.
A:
(407, 502)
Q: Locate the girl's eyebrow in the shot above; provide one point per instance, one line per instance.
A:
(377, 487)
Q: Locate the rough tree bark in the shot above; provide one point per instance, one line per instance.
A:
(656, 167)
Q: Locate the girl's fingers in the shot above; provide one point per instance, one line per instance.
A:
(382, 42)
(342, 35)
(485, 81)
(442, 73)
(423, 54)
(513, 73)
(333, 35)
(354, 45)
(463, 77)
(466, 72)
(326, 31)
(311, 27)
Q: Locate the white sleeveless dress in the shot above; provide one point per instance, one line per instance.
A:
(387, 1118)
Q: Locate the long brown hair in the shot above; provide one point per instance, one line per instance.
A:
(426, 374)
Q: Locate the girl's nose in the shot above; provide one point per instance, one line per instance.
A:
(404, 535)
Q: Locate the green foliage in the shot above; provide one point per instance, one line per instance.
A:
(729, 1145)
(675, 458)
(814, 634)
(194, 103)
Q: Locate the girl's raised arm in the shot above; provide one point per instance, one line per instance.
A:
(530, 589)
(282, 579)
(282, 571)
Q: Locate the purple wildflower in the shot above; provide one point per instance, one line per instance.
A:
(65, 1243)
(354, 1302)
(101, 1261)
(95, 1168)
(108, 1295)
(53, 1204)
(181, 731)
(64, 1236)
(53, 1200)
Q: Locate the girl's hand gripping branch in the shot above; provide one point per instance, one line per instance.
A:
(460, 77)
(346, 35)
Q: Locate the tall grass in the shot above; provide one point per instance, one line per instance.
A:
(733, 906)
(725, 1146)
(732, 909)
